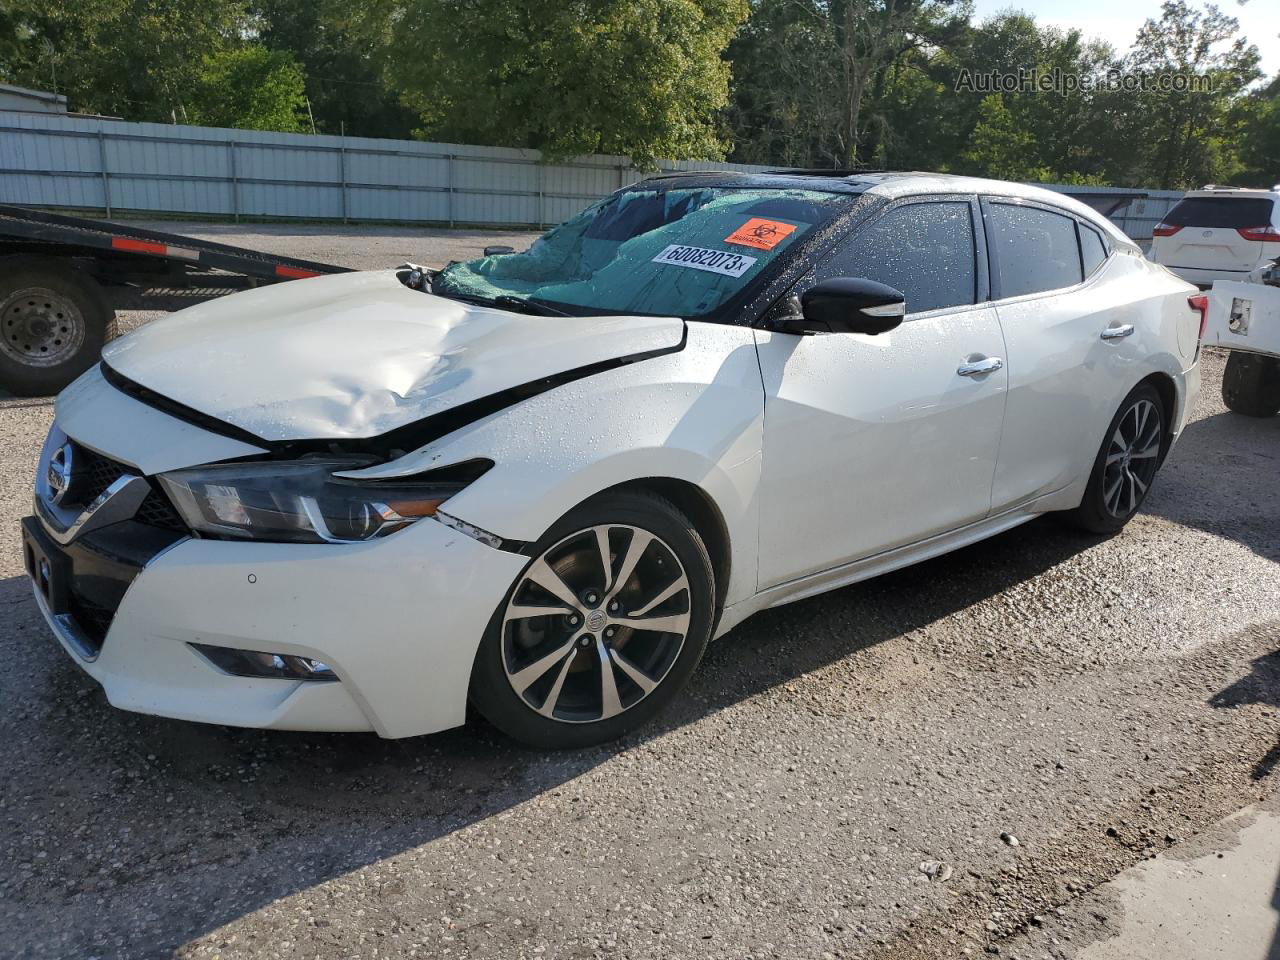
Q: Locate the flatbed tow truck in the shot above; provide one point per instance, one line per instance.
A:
(62, 279)
(1244, 317)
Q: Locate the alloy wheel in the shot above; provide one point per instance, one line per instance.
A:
(1133, 455)
(595, 623)
(40, 327)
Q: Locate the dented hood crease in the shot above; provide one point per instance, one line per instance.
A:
(358, 355)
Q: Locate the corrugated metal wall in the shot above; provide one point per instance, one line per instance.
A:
(109, 165)
(113, 166)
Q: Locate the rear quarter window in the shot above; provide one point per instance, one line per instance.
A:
(1092, 250)
(1228, 212)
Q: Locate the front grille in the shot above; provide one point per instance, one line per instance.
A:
(157, 511)
(95, 472)
(95, 568)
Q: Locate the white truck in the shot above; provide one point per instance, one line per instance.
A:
(1244, 317)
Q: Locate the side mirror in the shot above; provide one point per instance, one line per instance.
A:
(498, 250)
(848, 305)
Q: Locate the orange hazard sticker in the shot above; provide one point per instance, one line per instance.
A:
(761, 234)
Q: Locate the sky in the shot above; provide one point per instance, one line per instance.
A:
(1117, 21)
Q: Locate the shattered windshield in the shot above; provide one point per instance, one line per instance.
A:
(662, 252)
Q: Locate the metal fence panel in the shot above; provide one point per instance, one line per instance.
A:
(89, 163)
(113, 166)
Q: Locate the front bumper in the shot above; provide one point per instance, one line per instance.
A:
(399, 621)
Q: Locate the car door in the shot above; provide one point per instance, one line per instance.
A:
(873, 442)
(1062, 340)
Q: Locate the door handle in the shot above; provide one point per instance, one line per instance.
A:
(1117, 333)
(978, 368)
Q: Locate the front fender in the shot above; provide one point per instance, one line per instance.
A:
(696, 416)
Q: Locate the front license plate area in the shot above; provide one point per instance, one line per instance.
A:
(47, 566)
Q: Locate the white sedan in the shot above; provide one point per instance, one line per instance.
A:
(541, 482)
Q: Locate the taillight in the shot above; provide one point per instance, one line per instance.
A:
(1261, 234)
(1164, 230)
(1200, 303)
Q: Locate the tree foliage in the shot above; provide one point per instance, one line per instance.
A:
(811, 74)
(148, 59)
(912, 113)
(343, 67)
(251, 87)
(1188, 137)
(638, 77)
(1260, 136)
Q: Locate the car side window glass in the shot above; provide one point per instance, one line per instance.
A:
(923, 249)
(1092, 249)
(1035, 250)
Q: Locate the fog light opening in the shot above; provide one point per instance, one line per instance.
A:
(259, 665)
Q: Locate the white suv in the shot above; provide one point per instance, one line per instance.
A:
(1219, 233)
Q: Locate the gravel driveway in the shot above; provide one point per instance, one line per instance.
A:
(913, 767)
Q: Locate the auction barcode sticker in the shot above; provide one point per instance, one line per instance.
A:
(700, 258)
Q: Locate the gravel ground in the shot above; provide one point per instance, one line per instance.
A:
(907, 769)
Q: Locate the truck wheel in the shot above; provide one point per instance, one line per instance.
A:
(1251, 384)
(53, 322)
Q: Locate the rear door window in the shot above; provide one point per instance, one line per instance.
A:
(1092, 250)
(1218, 212)
(923, 249)
(1034, 250)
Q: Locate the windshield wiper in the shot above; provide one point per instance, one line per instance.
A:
(507, 301)
(529, 305)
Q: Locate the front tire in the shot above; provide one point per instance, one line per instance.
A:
(602, 629)
(1251, 384)
(1126, 465)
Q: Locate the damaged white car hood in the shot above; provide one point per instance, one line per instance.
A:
(355, 355)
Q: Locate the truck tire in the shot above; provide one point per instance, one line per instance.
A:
(1251, 384)
(53, 322)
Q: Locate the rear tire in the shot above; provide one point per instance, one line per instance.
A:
(1251, 384)
(1126, 464)
(580, 675)
(53, 322)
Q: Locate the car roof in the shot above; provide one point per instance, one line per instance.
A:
(1248, 192)
(890, 184)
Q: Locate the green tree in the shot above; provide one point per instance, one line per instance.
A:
(138, 59)
(810, 74)
(783, 106)
(1260, 136)
(638, 77)
(249, 87)
(1000, 146)
(1059, 132)
(342, 67)
(1181, 138)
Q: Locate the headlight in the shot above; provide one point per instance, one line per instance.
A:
(302, 501)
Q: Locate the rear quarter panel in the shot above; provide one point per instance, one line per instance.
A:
(1167, 337)
(1066, 382)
